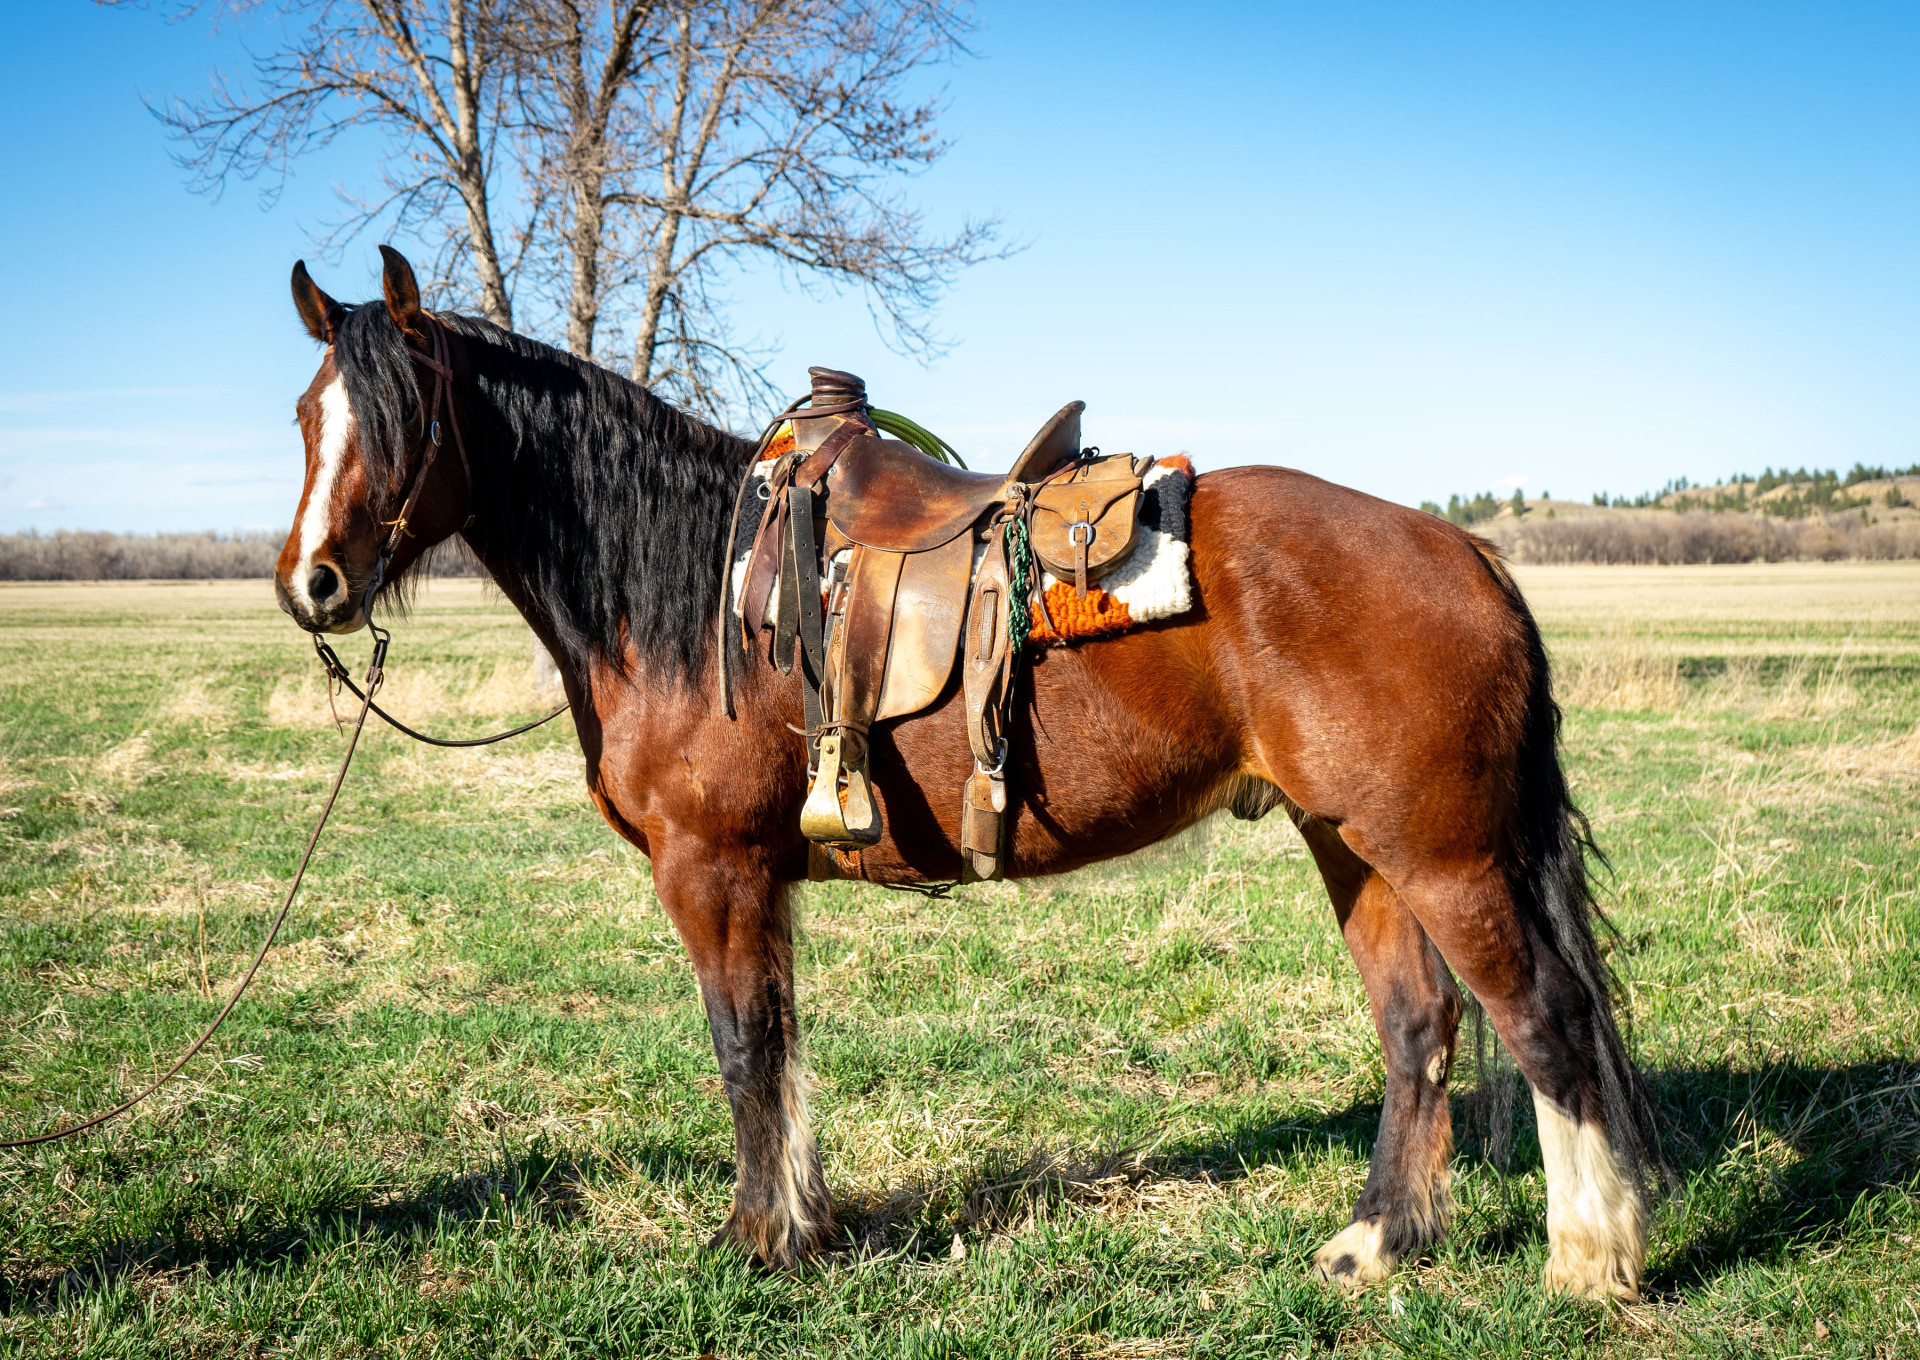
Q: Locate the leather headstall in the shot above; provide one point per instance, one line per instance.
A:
(440, 364)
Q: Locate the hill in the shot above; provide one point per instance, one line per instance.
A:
(1866, 514)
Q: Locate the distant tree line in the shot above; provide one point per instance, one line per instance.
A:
(82, 556)
(1465, 510)
(1697, 536)
(1812, 492)
(1809, 492)
(1689, 537)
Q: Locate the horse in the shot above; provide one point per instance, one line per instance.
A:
(1371, 670)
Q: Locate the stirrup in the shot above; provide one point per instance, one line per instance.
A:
(828, 817)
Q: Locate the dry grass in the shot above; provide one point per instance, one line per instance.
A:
(1775, 608)
(1621, 673)
(1106, 1115)
(1894, 760)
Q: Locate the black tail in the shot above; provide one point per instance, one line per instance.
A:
(1550, 880)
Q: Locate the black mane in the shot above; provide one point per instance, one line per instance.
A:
(610, 506)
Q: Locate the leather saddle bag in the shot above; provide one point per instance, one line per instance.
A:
(1085, 522)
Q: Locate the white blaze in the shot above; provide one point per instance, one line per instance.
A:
(336, 423)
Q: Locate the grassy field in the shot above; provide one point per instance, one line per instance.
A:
(471, 1105)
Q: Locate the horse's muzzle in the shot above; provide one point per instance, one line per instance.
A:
(344, 615)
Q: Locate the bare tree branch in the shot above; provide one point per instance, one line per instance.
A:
(744, 130)
(421, 75)
(600, 168)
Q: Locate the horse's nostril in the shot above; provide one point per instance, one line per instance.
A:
(321, 584)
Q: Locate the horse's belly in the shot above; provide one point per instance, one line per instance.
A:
(1122, 743)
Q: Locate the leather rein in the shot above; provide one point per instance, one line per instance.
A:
(440, 363)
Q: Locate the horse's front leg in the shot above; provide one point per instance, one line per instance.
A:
(733, 916)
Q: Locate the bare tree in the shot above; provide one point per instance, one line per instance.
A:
(601, 166)
(677, 140)
(427, 76)
(781, 135)
(579, 67)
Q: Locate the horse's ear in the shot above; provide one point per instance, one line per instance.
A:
(320, 313)
(403, 292)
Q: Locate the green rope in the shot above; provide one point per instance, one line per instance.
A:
(1019, 564)
(923, 439)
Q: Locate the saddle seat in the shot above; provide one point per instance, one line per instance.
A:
(888, 495)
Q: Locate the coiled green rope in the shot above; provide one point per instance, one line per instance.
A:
(923, 439)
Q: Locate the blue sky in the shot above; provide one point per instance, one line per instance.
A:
(1414, 248)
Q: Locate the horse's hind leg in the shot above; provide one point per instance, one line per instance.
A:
(1562, 1037)
(736, 926)
(1416, 1011)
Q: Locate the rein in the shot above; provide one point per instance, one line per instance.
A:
(440, 362)
(337, 672)
(375, 674)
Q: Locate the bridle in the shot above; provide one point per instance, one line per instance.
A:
(440, 362)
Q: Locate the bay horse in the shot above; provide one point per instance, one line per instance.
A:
(1371, 670)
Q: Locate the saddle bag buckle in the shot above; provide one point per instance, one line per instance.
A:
(1080, 545)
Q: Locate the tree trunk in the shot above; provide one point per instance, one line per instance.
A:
(589, 216)
(659, 282)
(494, 303)
(471, 173)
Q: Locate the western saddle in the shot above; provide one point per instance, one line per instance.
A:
(872, 561)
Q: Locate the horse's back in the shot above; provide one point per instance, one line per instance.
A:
(1275, 547)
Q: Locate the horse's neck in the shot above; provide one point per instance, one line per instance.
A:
(490, 460)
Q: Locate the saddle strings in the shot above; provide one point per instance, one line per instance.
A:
(793, 410)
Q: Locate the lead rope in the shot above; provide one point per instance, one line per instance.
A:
(441, 363)
(375, 675)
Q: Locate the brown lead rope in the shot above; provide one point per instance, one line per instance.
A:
(337, 671)
(441, 363)
(375, 674)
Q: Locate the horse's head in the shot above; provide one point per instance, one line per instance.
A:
(367, 431)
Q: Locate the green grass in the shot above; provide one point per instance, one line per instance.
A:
(470, 1105)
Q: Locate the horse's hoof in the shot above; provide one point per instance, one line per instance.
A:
(1355, 1255)
(1592, 1275)
(774, 1247)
